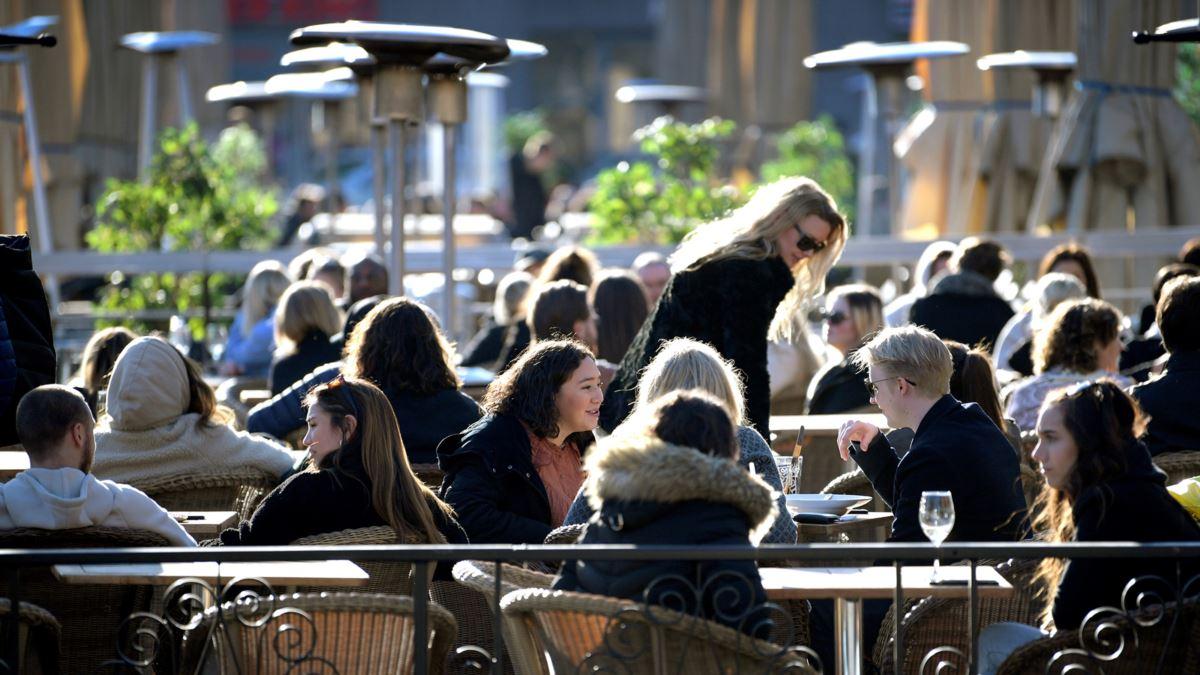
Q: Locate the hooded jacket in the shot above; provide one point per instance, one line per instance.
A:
(150, 437)
(64, 499)
(963, 307)
(647, 491)
(1133, 507)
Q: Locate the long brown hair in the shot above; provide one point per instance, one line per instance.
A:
(100, 355)
(1103, 422)
(397, 495)
(1077, 254)
(202, 400)
(619, 300)
(398, 347)
(973, 380)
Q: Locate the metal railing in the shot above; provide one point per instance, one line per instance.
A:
(1103, 637)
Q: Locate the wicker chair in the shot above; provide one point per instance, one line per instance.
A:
(936, 622)
(1160, 648)
(1179, 465)
(352, 632)
(479, 577)
(579, 631)
(234, 490)
(429, 474)
(566, 534)
(90, 614)
(855, 483)
(390, 577)
(37, 640)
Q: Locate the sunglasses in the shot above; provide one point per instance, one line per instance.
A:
(835, 318)
(870, 384)
(807, 243)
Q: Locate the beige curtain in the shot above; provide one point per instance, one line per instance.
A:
(1014, 139)
(1123, 154)
(941, 146)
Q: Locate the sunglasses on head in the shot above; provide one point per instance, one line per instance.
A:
(337, 384)
(807, 243)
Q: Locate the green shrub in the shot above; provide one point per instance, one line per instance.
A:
(816, 149)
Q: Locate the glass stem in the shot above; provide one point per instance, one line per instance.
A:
(936, 568)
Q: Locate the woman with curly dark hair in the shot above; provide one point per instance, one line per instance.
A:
(1081, 341)
(512, 475)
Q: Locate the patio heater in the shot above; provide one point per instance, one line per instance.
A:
(888, 65)
(660, 99)
(448, 100)
(1053, 70)
(399, 51)
(254, 96)
(31, 32)
(161, 46)
(1186, 30)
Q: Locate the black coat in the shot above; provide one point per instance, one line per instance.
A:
(655, 493)
(484, 349)
(492, 484)
(727, 303)
(956, 447)
(839, 389)
(1135, 507)
(426, 420)
(313, 351)
(31, 361)
(1172, 401)
(963, 307)
(317, 502)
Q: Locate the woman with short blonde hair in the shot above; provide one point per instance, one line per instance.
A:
(252, 335)
(305, 320)
(736, 281)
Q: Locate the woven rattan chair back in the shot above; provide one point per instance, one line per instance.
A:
(429, 474)
(937, 622)
(1179, 465)
(237, 490)
(37, 640)
(855, 483)
(390, 577)
(89, 614)
(480, 578)
(578, 631)
(342, 632)
(1162, 643)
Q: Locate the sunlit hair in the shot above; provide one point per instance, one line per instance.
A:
(694, 419)
(300, 266)
(981, 256)
(555, 308)
(923, 272)
(304, 307)
(1074, 334)
(912, 353)
(267, 281)
(1053, 289)
(528, 388)
(100, 355)
(397, 495)
(1077, 254)
(398, 347)
(619, 300)
(687, 364)
(974, 381)
(864, 305)
(751, 232)
(510, 296)
(573, 263)
(1103, 422)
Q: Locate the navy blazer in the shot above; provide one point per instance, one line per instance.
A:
(1172, 400)
(956, 447)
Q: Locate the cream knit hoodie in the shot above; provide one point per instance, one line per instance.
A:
(149, 436)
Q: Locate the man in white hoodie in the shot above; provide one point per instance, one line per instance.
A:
(58, 492)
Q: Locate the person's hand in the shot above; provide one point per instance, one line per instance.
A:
(855, 430)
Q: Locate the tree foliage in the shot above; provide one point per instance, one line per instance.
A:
(816, 149)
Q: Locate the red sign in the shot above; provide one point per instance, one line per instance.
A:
(242, 12)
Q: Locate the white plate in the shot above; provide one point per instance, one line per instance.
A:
(818, 503)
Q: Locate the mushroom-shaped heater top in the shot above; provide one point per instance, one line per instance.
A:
(408, 44)
(1048, 61)
(239, 92)
(881, 54)
(332, 54)
(319, 86)
(1187, 30)
(660, 93)
(28, 32)
(168, 42)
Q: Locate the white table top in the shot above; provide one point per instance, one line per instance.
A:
(205, 524)
(796, 583)
(821, 425)
(322, 572)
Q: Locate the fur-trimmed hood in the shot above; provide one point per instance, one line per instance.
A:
(642, 468)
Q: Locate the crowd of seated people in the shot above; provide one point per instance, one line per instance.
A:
(368, 385)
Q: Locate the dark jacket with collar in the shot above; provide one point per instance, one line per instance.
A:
(958, 448)
(316, 502)
(1172, 400)
(963, 307)
(29, 360)
(1134, 507)
(727, 303)
(646, 491)
(492, 484)
(313, 351)
(839, 388)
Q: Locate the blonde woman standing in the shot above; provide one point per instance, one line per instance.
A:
(736, 280)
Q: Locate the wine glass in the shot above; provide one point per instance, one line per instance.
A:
(937, 520)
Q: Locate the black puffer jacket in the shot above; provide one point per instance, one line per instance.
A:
(1134, 507)
(963, 307)
(30, 355)
(727, 303)
(492, 484)
(646, 491)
